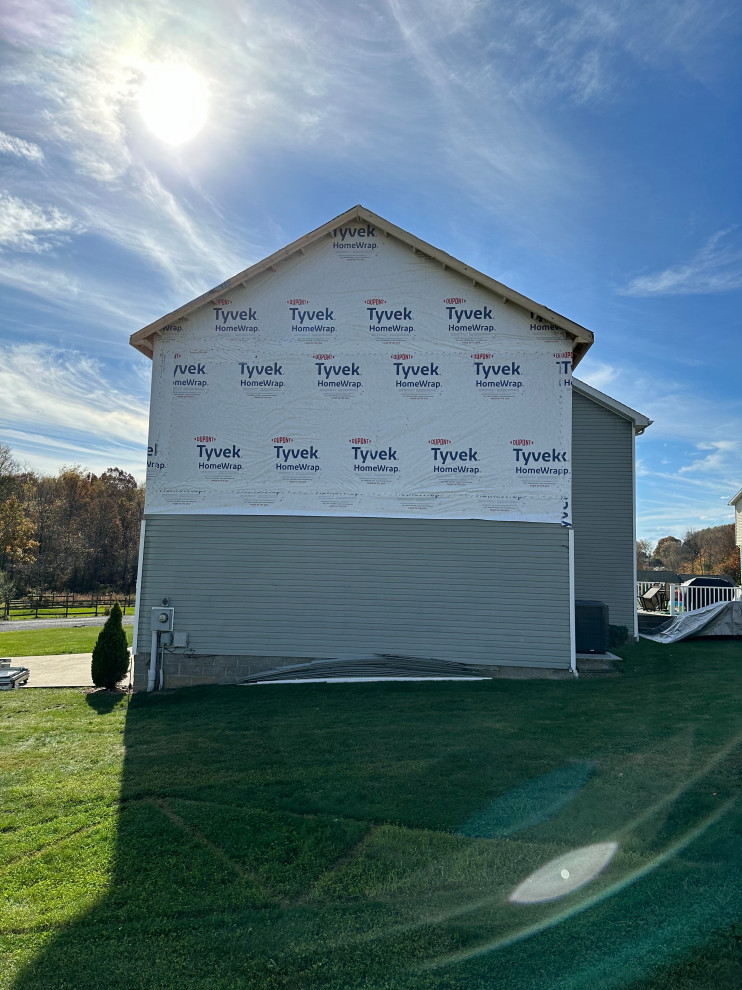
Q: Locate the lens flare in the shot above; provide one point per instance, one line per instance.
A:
(173, 103)
(563, 875)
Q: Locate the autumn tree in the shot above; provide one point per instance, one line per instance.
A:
(643, 554)
(17, 543)
(85, 527)
(670, 551)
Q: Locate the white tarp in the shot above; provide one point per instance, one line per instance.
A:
(360, 379)
(719, 619)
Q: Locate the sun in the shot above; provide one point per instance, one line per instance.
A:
(173, 102)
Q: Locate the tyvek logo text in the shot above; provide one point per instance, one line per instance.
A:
(409, 375)
(459, 316)
(304, 320)
(260, 376)
(376, 460)
(295, 458)
(217, 458)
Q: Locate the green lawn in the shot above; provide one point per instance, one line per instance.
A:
(369, 836)
(45, 642)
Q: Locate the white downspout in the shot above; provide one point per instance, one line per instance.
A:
(635, 630)
(572, 634)
(138, 598)
(153, 660)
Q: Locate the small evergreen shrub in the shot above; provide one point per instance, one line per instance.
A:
(111, 652)
(617, 635)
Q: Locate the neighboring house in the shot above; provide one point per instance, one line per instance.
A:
(737, 503)
(659, 577)
(361, 445)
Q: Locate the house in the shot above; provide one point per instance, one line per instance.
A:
(363, 446)
(737, 503)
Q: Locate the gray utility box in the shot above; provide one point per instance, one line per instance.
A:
(591, 627)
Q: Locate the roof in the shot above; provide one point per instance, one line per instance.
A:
(736, 498)
(658, 577)
(583, 338)
(640, 421)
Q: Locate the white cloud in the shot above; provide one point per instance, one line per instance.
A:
(596, 373)
(724, 457)
(716, 267)
(59, 404)
(19, 148)
(26, 226)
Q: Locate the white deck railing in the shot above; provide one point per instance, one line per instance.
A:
(689, 599)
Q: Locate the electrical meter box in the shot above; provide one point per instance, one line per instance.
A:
(162, 619)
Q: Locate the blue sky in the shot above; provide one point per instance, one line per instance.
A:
(587, 154)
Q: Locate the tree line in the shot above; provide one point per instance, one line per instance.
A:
(701, 551)
(74, 532)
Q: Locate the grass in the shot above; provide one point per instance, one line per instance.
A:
(368, 836)
(46, 642)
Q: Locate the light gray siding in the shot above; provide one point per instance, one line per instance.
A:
(272, 586)
(603, 508)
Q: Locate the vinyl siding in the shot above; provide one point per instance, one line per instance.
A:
(480, 592)
(603, 508)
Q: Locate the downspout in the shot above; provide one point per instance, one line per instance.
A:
(153, 660)
(634, 434)
(572, 633)
(138, 596)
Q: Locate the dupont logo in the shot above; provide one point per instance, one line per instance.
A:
(481, 357)
(359, 440)
(522, 443)
(401, 357)
(564, 354)
(323, 357)
(204, 439)
(454, 299)
(375, 302)
(222, 302)
(297, 302)
(283, 440)
(438, 442)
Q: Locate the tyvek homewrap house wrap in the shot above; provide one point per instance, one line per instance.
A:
(361, 446)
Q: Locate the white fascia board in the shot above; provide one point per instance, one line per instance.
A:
(736, 498)
(640, 421)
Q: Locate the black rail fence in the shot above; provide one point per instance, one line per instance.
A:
(55, 605)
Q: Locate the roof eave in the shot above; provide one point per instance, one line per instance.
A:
(640, 421)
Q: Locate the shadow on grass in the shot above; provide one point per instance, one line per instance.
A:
(103, 701)
(335, 836)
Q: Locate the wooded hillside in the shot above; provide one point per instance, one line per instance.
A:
(701, 551)
(76, 531)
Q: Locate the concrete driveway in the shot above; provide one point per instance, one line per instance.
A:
(58, 670)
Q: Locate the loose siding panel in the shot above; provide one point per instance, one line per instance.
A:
(603, 508)
(479, 592)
